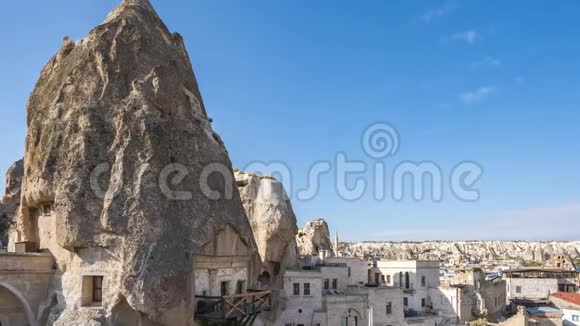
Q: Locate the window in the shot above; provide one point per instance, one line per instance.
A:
(388, 279)
(349, 272)
(296, 289)
(382, 278)
(97, 289)
(224, 286)
(389, 308)
(326, 284)
(46, 209)
(406, 302)
(575, 318)
(306, 288)
(423, 302)
(334, 284)
(423, 281)
(92, 290)
(240, 287)
(518, 289)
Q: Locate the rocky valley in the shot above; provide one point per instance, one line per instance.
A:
(523, 251)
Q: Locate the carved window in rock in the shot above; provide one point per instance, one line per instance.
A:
(224, 288)
(276, 268)
(240, 286)
(97, 289)
(92, 290)
(46, 209)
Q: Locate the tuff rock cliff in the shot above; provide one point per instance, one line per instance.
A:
(118, 137)
(273, 222)
(9, 204)
(314, 237)
(485, 250)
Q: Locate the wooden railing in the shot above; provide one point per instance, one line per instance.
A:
(232, 306)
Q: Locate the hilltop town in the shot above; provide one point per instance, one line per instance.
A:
(126, 210)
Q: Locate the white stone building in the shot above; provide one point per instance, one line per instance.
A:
(334, 293)
(415, 278)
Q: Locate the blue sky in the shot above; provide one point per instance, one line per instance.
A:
(299, 81)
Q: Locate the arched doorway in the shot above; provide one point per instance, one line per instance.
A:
(352, 317)
(11, 300)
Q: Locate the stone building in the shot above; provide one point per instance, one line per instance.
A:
(562, 262)
(418, 280)
(488, 297)
(538, 284)
(334, 292)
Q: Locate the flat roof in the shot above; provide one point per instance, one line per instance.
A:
(573, 298)
(543, 310)
(548, 270)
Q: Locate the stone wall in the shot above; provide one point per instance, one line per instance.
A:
(494, 294)
(358, 269)
(531, 288)
(24, 283)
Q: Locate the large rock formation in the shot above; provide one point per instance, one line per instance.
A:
(118, 141)
(523, 251)
(314, 237)
(274, 225)
(273, 222)
(11, 200)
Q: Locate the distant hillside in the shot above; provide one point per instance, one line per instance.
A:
(485, 250)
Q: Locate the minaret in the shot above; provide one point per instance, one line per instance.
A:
(335, 244)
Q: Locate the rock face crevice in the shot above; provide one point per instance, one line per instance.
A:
(113, 119)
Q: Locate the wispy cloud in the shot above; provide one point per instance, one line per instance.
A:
(430, 15)
(487, 62)
(468, 36)
(476, 95)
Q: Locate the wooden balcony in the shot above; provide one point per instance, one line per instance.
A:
(241, 307)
